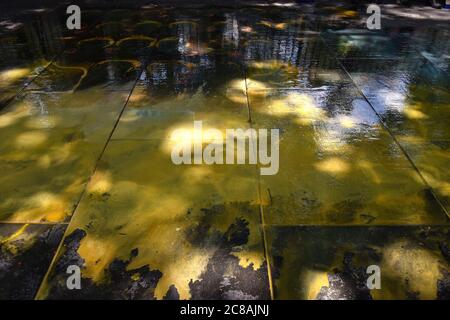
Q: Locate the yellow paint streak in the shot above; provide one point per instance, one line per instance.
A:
(347, 13)
(84, 73)
(15, 235)
(167, 39)
(151, 22)
(273, 25)
(107, 39)
(181, 22)
(137, 37)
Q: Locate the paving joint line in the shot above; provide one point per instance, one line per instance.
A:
(303, 225)
(58, 249)
(390, 133)
(261, 210)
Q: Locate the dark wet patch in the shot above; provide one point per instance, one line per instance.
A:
(346, 284)
(203, 233)
(443, 286)
(445, 250)
(224, 278)
(25, 259)
(118, 283)
(172, 294)
(302, 204)
(305, 206)
(431, 203)
(345, 211)
(444, 145)
(344, 253)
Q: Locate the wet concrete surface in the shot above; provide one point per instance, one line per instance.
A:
(86, 118)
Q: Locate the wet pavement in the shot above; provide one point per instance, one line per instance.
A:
(86, 118)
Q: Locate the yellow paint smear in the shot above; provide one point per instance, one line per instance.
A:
(15, 235)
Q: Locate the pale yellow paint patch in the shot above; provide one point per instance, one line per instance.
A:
(250, 257)
(314, 281)
(100, 183)
(8, 77)
(97, 254)
(419, 266)
(31, 139)
(333, 165)
(53, 205)
(414, 114)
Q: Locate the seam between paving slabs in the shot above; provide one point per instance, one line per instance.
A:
(389, 131)
(85, 187)
(315, 225)
(35, 223)
(438, 201)
(261, 211)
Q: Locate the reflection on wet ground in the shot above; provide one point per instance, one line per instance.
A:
(86, 119)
